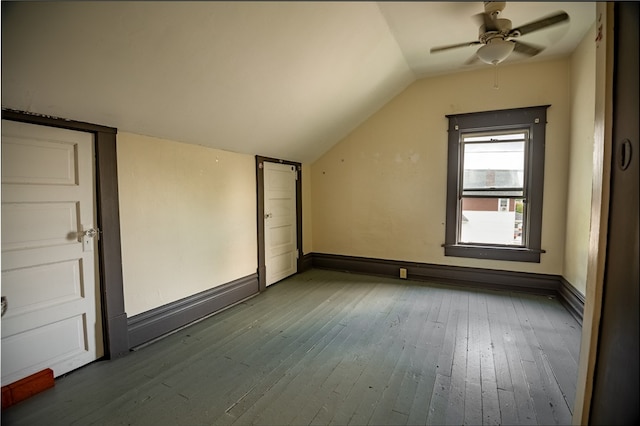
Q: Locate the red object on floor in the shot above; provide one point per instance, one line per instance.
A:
(27, 387)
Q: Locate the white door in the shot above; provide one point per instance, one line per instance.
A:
(49, 266)
(279, 221)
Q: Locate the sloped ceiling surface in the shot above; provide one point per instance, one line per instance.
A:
(286, 80)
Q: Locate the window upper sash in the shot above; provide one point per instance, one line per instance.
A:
(493, 164)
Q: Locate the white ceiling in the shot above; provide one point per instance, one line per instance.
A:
(280, 79)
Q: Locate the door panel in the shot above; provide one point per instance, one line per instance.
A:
(49, 270)
(280, 221)
(31, 225)
(65, 338)
(44, 286)
(53, 162)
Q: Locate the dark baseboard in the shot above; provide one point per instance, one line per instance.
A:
(572, 299)
(487, 278)
(164, 319)
(307, 262)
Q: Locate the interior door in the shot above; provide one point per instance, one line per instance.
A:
(279, 221)
(616, 386)
(49, 268)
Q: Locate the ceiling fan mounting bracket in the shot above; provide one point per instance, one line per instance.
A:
(494, 7)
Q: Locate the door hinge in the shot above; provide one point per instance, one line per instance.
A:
(296, 175)
(297, 254)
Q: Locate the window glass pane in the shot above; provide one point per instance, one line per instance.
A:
(492, 221)
(494, 165)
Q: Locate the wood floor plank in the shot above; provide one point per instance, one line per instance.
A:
(377, 407)
(382, 354)
(186, 383)
(441, 386)
(414, 396)
(534, 369)
(549, 393)
(473, 380)
(189, 376)
(512, 336)
(336, 385)
(249, 408)
(488, 381)
(326, 347)
(456, 403)
(563, 364)
(313, 359)
(498, 332)
(565, 325)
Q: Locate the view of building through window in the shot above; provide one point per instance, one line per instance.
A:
(493, 195)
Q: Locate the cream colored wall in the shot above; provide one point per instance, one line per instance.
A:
(583, 89)
(187, 216)
(307, 231)
(381, 191)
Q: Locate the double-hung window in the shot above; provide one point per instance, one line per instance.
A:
(495, 184)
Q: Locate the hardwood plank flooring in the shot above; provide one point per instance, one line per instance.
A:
(332, 348)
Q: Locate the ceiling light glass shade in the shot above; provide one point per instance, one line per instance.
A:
(495, 51)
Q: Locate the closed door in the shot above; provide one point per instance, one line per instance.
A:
(49, 268)
(280, 221)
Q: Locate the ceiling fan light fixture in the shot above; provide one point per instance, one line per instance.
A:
(495, 51)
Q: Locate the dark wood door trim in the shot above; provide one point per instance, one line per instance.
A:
(616, 379)
(114, 317)
(260, 215)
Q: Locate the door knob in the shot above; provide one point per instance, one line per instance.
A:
(87, 236)
(91, 232)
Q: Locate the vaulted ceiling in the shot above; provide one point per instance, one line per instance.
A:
(280, 79)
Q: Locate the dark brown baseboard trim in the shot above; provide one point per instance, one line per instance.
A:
(164, 319)
(572, 299)
(307, 262)
(487, 278)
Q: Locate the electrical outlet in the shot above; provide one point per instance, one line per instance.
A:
(403, 273)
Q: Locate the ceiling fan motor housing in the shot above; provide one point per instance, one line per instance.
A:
(503, 26)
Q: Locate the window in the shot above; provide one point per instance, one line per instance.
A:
(495, 184)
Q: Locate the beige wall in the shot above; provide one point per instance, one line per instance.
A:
(583, 88)
(381, 191)
(187, 219)
(307, 231)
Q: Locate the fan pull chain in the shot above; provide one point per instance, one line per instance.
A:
(495, 77)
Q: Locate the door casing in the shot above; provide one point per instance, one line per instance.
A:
(114, 317)
(260, 215)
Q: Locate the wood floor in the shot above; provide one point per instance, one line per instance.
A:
(327, 348)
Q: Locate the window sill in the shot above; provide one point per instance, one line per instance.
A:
(513, 254)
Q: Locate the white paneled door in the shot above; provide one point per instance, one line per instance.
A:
(280, 221)
(49, 251)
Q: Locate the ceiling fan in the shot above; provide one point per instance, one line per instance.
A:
(497, 36)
